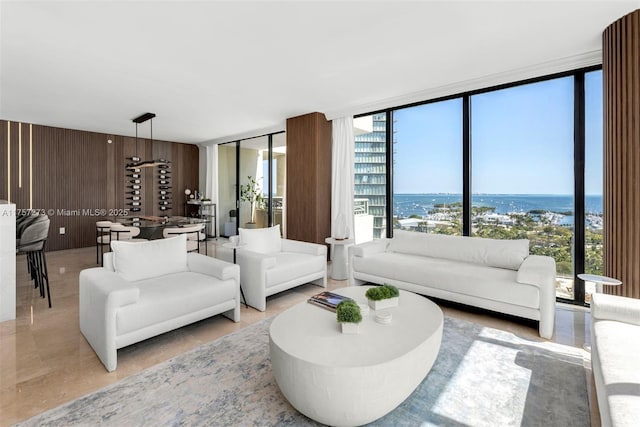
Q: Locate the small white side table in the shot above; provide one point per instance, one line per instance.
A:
(235, 247)
(599, 280)
(339, 261)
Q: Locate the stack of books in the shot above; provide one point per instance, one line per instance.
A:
(328, 300)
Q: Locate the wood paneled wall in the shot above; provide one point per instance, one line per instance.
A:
(309, 178)
(76, 175)
(621, 76)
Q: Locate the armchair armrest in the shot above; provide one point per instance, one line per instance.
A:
(612, 307)
(303, 247)
(102, 292)
(254, 260)
(369, 248)
(213, 267)
(540, 271)
(253, 268)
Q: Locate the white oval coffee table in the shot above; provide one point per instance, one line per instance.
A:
(348, 380)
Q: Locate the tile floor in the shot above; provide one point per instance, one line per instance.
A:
(45, 361)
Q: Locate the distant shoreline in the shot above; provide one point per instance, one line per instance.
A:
(435, 205)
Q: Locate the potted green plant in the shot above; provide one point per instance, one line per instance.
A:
(381, 297)
(349, 316)
(252, 193)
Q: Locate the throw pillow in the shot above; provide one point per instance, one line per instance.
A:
(261, 240)
(144, 260)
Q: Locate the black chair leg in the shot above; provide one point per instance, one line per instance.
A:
(45, 275)
(29, 264)
(38, 258)
(33, 268)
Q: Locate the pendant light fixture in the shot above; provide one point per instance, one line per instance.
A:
(136, 161)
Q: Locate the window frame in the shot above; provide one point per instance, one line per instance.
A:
(579, 144)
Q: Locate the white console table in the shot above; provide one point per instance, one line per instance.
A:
(7, 261)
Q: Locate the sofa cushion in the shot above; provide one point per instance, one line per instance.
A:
(618, 356)
(172, 296)
(261, 240)
(480, 281)
(143, 260)
(491, 252)
(290, 266)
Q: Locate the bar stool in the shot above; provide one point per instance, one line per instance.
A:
(31, 243)
(103, 237)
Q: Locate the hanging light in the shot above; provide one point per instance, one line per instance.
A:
(136, 161)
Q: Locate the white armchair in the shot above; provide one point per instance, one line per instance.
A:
(149, 288)
(270, 264)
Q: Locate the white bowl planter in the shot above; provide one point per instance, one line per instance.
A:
(383, 303)
(350, 328)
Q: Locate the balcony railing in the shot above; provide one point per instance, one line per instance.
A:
(360, 206)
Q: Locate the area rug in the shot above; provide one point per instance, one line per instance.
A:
(482, 377)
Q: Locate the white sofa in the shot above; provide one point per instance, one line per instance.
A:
(497, 275)
(615, 351)
(148, 288)
(270, 264)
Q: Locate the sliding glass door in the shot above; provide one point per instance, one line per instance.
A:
(252, 183)
(277, 181)
(227, 189)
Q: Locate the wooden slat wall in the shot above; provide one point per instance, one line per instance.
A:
(76, 173)
(621, 77)
(309, 178)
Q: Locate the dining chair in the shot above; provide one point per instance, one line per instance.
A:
(202, 236)
(123, 232)
(103, 237)
(193, 235)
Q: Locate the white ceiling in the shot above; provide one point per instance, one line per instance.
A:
(212, 70)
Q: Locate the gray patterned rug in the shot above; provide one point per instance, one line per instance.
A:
(482, 377)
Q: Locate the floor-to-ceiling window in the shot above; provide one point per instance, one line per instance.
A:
(370, 204)
(518, 161)
(522, 170)
(276, 182)
(593, 182)
(427, 168)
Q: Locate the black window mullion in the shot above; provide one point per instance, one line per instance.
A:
(389, 196)
(466, 165)
(270, 181)
(579, 133)
(237, 186)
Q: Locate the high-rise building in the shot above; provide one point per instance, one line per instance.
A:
(370, 173)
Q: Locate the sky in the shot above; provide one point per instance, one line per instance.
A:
(521, 137)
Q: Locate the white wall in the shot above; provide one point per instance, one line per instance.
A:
(7, 261)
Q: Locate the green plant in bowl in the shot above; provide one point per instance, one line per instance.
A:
(381, 297)
(379, 293)
(348, 312)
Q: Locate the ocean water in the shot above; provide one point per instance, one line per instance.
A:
(405, 205)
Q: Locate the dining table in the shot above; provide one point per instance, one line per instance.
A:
(151, 227)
